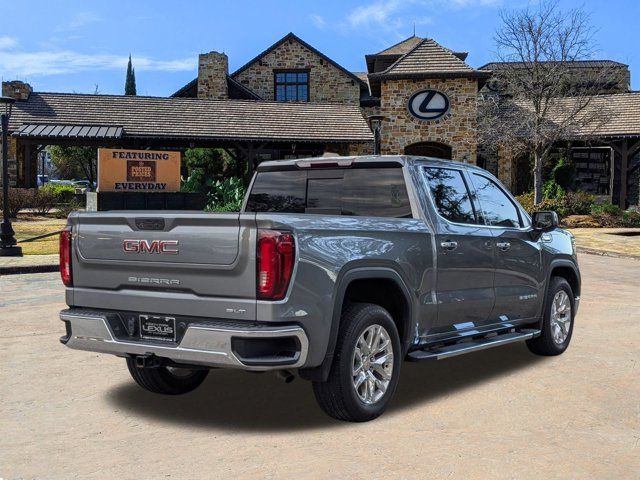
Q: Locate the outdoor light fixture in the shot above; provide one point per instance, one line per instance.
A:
(8, 242)
(375, 121)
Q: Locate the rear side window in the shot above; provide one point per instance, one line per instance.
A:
(281, 192)
(450, 194)
(498, 209)
(375, 192)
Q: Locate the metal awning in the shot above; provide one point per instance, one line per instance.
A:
(69, 131)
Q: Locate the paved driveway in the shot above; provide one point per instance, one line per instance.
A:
(500, 413)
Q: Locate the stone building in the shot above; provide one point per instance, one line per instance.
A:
(291, 100)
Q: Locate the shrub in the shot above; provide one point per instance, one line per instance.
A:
(204, 165)
(62, 193)
(564, 173)
(551, 189)
(606, 209)
(19, 199)
(569, 203)
(43, 201)
(226, 196)
(65, 209)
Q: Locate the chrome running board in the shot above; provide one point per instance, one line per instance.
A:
(438, 353)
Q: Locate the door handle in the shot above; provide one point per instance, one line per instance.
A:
(449, 245)
(503, 245)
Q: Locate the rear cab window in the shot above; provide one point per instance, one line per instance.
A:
(366, 191)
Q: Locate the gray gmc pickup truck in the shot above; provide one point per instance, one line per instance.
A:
(336, 268)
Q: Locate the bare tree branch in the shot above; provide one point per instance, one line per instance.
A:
(539, 97)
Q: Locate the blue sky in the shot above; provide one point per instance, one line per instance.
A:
(73, 45)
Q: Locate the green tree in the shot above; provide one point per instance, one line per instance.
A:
(130, 82)
(75, 162)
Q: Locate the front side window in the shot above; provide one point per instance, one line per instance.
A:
(292, 86)
(450, 194)
(498, 209)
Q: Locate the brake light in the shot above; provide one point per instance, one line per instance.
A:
(65, 257)
(275, 252)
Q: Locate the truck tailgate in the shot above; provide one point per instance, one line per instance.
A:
(169, 262)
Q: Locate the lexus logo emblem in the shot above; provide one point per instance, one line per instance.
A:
(428, 104)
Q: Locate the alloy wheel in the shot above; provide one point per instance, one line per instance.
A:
(372, 364)
(560, 317)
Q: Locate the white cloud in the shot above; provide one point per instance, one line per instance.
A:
(318, 20)
(377, 13)
(7, 43)
(391, 15)
(22, 64)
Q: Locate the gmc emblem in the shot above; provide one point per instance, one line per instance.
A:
(168, 247)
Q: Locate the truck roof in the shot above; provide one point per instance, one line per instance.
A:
(337, 161)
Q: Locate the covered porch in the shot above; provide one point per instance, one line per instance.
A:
(249, 131)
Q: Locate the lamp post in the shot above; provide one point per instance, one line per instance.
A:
(8, 247)
(375, 121)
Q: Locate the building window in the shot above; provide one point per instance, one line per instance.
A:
(292, 86)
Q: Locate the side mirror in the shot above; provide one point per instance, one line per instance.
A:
(545, 221)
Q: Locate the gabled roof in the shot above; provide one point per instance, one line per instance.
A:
(292, 37)
(236, 90)
(428, 58)
(189, 118)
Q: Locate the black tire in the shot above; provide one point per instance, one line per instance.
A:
(162, 380)
(545, 344)
(337, 396)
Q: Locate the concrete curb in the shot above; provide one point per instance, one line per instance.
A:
(603, 253)
(19, 269)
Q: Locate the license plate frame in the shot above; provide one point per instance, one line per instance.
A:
(157, 327)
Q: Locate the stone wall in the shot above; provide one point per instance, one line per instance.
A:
(326, 82)
(213, 68)
(456, 129)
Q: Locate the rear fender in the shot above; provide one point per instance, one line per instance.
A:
(345, 279)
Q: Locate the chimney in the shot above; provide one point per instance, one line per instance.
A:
(213, 68)
(16, 89)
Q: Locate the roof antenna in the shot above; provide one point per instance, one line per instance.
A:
(414, 29)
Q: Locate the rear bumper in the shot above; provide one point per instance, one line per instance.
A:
(208, 345)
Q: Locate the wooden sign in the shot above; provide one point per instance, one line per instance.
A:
(138, 170)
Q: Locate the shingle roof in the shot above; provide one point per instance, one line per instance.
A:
(620, 112)
(574, 64)
(624, 114)
(430, 58)
(192, 118)
(402, 47)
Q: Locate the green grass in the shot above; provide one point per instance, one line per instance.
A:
(33, 226)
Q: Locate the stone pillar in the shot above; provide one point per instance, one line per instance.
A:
(213, 68)
(506, 172)
(20, 91)
(16, 89)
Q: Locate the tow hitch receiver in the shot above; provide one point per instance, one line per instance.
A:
(147, 361)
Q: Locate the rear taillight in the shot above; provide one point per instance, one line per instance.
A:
(276, 253)
(65, 257)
